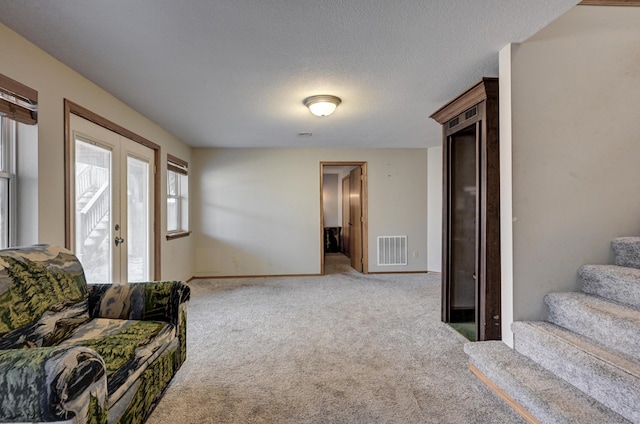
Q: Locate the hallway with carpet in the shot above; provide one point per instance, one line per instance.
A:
(336, 263)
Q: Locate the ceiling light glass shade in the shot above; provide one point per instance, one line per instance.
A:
(322, 105)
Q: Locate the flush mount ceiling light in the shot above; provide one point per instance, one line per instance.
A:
(322, 105)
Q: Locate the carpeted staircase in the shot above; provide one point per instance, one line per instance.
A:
(583, 364)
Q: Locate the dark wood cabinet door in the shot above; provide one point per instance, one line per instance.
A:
(471, 281)
(463, 220)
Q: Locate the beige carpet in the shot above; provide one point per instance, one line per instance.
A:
(342, 348)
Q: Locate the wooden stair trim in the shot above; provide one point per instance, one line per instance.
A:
(508, 399)
(609, 3)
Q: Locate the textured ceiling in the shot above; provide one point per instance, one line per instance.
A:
(234, 73)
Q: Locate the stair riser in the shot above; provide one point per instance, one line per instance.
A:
(548, 398)
(627, 251)
(618, 332)
(616, 283)
(615, 388)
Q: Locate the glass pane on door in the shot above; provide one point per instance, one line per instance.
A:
(463, 212)
(137, 220)
(93, 176)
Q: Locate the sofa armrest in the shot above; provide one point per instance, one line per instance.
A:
(151, 301)
(53, 384)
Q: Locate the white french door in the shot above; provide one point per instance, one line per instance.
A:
(112, 219)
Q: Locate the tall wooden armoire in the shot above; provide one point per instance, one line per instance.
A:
(471, 280)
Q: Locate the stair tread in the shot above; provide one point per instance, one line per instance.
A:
(628, 239)
(614, 282)
(546, 396)
(613, 271)
(598, 304)
(590, 347)
(612, 324)
(627, 251)
(609, 376)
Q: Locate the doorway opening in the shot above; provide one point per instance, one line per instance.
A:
(343, 215)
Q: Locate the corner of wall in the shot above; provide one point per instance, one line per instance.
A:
(506, 194)
(434, 209)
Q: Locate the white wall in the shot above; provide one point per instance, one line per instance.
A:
(54, 82)
(331, 200)
(341, 172)
(574, 147)
(434, 209)
(506, 195)
(257, 211)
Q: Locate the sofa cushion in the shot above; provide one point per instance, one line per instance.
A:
(43, 296)
(126, 346)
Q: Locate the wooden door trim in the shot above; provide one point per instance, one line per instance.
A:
(609, 3)
(356, 178)
(365, 212)
(74, 108)
(446, 222)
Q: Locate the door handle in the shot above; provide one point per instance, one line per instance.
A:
(475, 277)
(118, 240)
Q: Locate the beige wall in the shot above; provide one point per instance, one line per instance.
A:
(572, 145)
(331, 200)
(257, 211)
(54, 82)
(434, 209)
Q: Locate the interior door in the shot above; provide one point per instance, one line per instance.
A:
(355, 218)
(112, 178)
(346, 217)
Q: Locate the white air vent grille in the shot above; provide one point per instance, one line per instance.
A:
(392, 250)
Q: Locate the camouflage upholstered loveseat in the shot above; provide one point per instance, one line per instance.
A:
(83, 353)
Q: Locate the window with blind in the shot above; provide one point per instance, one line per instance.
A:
(18, 108)
(177, 198)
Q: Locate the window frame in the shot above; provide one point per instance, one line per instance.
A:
(180, 168)
(18, 105)
(7, 172)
